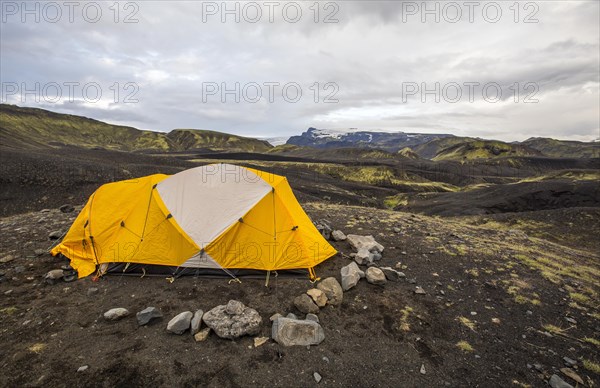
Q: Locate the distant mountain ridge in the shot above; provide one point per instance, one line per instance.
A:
(388, 141)
(443, 146)
(32, 128)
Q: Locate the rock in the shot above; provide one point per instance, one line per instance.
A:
(196, 322)
(55, 274)
(332, 290)
(116, 314)
(202, 335)
(324, 228)
(557, 382)
(55, 235)
(569, 361)
(419, 290)
(317, 377)
(291, 332)
(391, 274)
(317, 296)
(363, 256)
(291, 316)
(39, 252)
(232, 326)
(7, 259)
(375, 276)
(312, 317)
(66, 208)
(146, 315)
(376, 256)
(351, 274)
(422, 370)
(92, 291)
(260, 341)
(82, 368)
(571, 373)
(180, 323)
(338, 235)
(571, 320)
(234, 307)
(305, 304)
(275, 316)
(357, 242)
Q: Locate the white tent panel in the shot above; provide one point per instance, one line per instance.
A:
(206, 200)
(201, 260)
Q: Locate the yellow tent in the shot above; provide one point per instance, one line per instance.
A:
(218, 216)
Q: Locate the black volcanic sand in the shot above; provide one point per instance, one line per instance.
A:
(379, 336)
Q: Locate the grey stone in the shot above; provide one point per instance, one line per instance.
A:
(7, 259)
(291, 316)
(82, 368)
(569, 361)
(357, 242)
(55, 235)
(291, 332)
(116, 314)
(180, 323)
(92, 291)
(66, 208)
(147, 314)
(363, 256)
(55, 274)
(338, 235)
(419, 290)
(317, 296)
(375, 256)
(375, 276)
(39, 252)
(351, 274)
(317, 377)
(333, 290)
(324, 228)
(312, 317)
(397, 230)
(234, 307)
(557, 382)
(391, 274)
(305, 304)
(196, 322)
(232, 326)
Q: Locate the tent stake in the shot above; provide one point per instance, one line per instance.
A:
(267, 279)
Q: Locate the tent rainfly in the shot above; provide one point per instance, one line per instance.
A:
(214, 217)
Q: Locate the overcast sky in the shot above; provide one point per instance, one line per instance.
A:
(537, 64)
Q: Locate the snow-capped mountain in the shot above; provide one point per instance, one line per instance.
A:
(336, 138)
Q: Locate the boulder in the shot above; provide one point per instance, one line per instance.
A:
(291, 332)
(231, 326)
(196, 322)
(180, 323)
(146, 315)
(363, 256)
(332, 290)
(317, 296)
(305, 304)
(338, 235)
(116, 314)
(375, 276)
(391, 274)
(351, 274)
(357, 242)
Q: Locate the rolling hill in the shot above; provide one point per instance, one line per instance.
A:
(31, 128)
(564, 148)
(484, 149)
